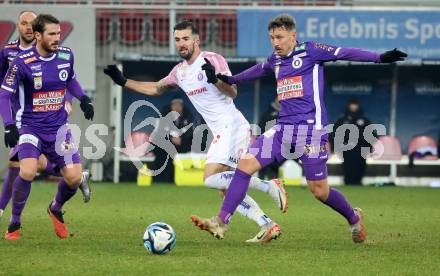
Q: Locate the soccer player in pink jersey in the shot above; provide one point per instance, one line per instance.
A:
(213, 99)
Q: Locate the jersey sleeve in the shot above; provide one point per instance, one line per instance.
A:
(171, 78)
(322, 52)
(12, 77)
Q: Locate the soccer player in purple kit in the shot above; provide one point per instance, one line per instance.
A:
(41, 76)
(7, 55)
(301, 124)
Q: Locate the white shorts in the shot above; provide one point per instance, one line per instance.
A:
(230, 142)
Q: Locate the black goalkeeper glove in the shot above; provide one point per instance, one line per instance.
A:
(210, 72)
(11, 135)
(87, 107)
(115, 74)
(224, 78)
(392, 56)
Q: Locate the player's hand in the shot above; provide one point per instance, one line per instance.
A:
(115, 74)
(224, 78)
(392, 56)
(11, 135)
(210, 72)
(87, 107)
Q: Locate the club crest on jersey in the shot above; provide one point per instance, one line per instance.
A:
(200, 76)
(297, 62)
(63, 75)
(38, 83)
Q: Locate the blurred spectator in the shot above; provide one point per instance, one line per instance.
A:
(354, 164)
(181, 142)
(268, 120)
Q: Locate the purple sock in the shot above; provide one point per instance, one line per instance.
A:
(7, 187)
(52, 169)
(63, 195)
(234, 195)
(337, 202)
(20, 192)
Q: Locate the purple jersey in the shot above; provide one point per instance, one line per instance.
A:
(300, 79)
(7, 55)
(40, 83)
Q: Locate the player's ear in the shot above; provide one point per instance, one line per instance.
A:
(37, 35)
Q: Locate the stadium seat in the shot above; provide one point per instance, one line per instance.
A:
(202, 22)
(392, 149)
(423, 147)
(226, 26)
(160, 28)
(136, 144)
(131, 27)
(6, 30)
(66, 28)
(104, 27)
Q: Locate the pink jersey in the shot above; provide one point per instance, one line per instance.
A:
(211, 103)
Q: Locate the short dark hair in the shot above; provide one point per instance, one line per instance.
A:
(282, 21)
(39, 23)
(186, 24)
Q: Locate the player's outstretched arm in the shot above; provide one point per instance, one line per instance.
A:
(143, 87)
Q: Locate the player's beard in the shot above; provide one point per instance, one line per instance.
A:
(47, 47)
(25, 39)
(189, 54)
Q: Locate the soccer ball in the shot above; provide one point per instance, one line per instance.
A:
(159, 238)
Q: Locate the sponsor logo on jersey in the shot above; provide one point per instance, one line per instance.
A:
(48, 101)
(36, 67)
(297, 62)
(62, 55)
(290, 87)
(197, 91)
(63, 75)
(13, 53)
(29, 60)
(61, 66)
(29, 139)
(38, 83)
(314, 149)
(233, 160)
(300, 47)
(10, 79)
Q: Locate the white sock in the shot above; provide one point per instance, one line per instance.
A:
(1, 212)
(222, 180)
(250, 209)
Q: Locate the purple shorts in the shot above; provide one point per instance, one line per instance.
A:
(294, 142)
(13, 154)
(59, 150)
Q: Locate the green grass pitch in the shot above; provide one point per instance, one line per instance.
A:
(403, 226)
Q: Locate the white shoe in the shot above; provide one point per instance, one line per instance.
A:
(268, 232)
(84, 186)
(278, 194)
(212, 225)
(358, 233)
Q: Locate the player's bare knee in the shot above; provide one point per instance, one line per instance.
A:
(73, 180)
(28, 173)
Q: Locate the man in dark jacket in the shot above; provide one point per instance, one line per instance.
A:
(182, 142)
(354, 164)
